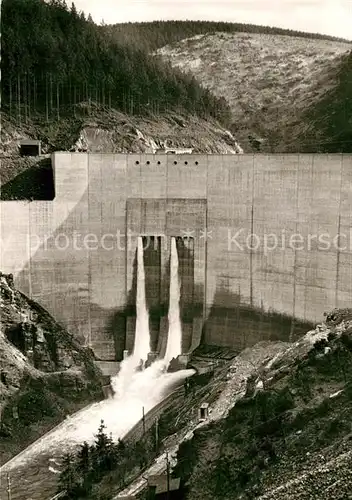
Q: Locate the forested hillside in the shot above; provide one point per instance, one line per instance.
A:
(287, 94)
(53, 57)
(289, 439)
(331, 119)
(60, 67)
(156, 34)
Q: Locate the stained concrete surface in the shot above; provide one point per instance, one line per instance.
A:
(85, 286)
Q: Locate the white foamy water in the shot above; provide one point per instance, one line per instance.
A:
(145, 389)
(133, 388)
(174, 339)
(142, 337)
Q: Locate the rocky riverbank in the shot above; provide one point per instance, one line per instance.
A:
(45, 373)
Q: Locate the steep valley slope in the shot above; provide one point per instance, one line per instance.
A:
(278, 424)
(45, 373)
(278, 87)
(290, 436)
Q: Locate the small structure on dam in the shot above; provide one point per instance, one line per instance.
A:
(262, 245)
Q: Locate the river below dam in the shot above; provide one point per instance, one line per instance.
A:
(34, 472)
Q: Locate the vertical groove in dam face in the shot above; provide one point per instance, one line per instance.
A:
(185, 250)
(185, 254)
(142, 338)
(130, 309)
(152, 268)
(174, 336)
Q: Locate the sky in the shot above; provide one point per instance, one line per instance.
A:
(330, 17)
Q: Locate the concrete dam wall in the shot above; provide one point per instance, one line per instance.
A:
(264, 245)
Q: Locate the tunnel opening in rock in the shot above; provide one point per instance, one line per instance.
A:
(16, 335)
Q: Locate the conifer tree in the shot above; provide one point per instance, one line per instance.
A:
(83, 458)
(69, 478)
(60, 59)
(103, 450)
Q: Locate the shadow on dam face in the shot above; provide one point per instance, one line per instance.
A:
(34, 183)
(229, 320)
(233, 324)
(238, 325)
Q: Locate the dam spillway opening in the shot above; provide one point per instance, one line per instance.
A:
(155, 296)
(174, 335)
(163, 291)
(141, 347)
